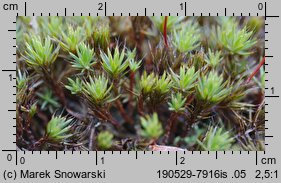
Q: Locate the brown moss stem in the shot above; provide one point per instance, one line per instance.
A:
(119, 105)
(169, 126)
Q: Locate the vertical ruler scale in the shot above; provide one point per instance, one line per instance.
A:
(8, 68)
(271, 87)
(140, 166)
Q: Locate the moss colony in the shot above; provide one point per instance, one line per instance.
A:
(140, 83)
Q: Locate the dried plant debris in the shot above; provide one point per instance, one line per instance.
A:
(140, 83)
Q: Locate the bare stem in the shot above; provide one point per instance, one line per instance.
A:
(132, 83)
(256, 70)
(105, 115)
(52, 81)
(119, 104)
(170, 122)
(39, 143)
(165, 31)
(28, 130)
(140, 105)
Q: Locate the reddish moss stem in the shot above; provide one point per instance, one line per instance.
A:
(256, 70)
(28, 130)
(112, 120)
(165, 31)
(119, 104)
(132, 83)
(169, 126)
(123, 112)
(140, 105)
(39, 143)
(105, 115)
(55, 85)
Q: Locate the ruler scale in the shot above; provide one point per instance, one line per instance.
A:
(140, 166)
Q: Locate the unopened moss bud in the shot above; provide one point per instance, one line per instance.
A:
(104, 140)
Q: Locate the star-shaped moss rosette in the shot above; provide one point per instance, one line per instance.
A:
(58, 128)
